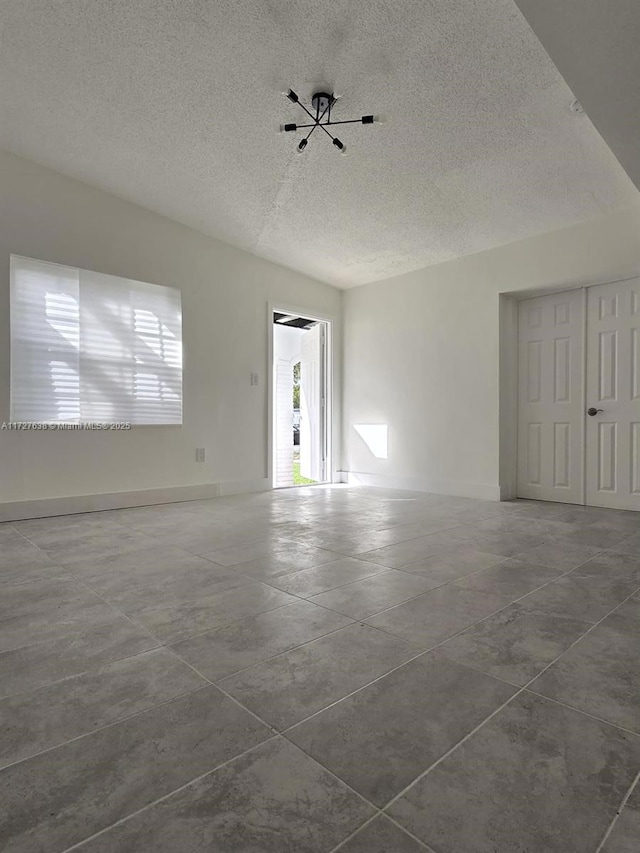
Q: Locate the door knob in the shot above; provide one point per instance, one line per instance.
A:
(592, 412)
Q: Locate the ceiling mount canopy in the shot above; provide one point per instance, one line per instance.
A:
(321, 103)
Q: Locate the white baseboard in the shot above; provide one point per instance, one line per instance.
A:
(241, 487)
(45, 507)
(456, 488)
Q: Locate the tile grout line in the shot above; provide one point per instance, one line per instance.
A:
(271, 657)
(275, 736)
(517, 687)
(478, 592)
(102, 728)
(580, 711)
(617, 815)
(140, 626)
(428, 847)
(164, 797)
(288, 728)
(370, 820)
(164, 643)
(348, 695)
(523, 689)
(91, 671)
(484, 618)
(379, 811)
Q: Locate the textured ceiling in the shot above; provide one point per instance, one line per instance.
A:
(177, 105)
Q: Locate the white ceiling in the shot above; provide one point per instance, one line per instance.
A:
(176, 106)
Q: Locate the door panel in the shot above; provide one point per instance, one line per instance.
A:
(613, 385)
(551, 404)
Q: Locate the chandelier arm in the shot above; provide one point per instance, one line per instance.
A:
(347, 121)
(315, 119)
(308, 112)
(312, 129)
(317, 124)
(324, 127)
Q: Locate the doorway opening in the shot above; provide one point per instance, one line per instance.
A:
(300, 400)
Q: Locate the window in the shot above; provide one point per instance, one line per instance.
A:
(93, 347)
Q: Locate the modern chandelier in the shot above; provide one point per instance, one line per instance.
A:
(321, 103)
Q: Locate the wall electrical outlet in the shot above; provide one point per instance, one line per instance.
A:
(200, 454)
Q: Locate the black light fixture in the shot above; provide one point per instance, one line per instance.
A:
(321, 102)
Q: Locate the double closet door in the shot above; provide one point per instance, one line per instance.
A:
(579, 396)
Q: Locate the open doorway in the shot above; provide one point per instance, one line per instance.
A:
(300, 395)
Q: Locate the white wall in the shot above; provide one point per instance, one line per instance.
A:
(225, 296)
(421, 354)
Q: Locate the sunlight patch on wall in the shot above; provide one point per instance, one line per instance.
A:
(375, 436)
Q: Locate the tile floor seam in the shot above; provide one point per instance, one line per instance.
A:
(51, 554)
(363, 619)
(420, 654)
(225, 693)
(352, 693)
(427, 847)
(358, 829)
(382, 571)
(106, 726)
(91, 671)
(26, 538)
(498, 710)
(229, 624)
(581, 711)
(190, 636)
(480, 592)
(117, 610)
(271, 657)
(443, 552)
(167, 796)
(378, 612)
(163, 606)
(618, 813)
(369, 821)
(500, 562)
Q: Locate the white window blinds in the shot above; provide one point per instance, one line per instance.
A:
(92, 347)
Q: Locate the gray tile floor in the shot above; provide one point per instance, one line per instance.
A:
(318, 670)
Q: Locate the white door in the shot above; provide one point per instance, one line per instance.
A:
(551, 397)
(312, 404)
(613, 391)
